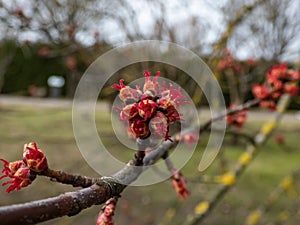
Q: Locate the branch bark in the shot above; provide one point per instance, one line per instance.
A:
(70, 203)
(67, 178)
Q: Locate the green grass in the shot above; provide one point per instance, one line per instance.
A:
(52, 130)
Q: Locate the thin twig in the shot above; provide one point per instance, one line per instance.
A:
(243, 162)
(66, 178)
(247, 137)
(223, 114)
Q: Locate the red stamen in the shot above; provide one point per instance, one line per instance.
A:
(117, 86)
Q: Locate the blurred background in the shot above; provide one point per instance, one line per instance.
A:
(46, 45)
(60, 38)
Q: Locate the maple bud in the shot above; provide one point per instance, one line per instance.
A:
(19, 173)
(34, 158)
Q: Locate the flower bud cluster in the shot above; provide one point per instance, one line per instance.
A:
(23, 172)
(279, 80)
(236, 119)
(228, 62)
(151, 110)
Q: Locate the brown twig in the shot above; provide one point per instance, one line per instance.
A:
(66, 178)
(252, 151)
(70, 203)
(244, 106)
(239, 134)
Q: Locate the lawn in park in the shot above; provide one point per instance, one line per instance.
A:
(51, 128)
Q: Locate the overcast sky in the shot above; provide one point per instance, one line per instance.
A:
(176, 15)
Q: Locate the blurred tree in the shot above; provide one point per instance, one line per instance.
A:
(270, 31)
(77, 32)
(7, 53)
(30, 70)
(65, 29)
(274, 39)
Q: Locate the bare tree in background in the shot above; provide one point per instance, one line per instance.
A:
(273, 26)
(264, 30)
(77, 29)
(270, 31)
(63, 25)
(7, 53)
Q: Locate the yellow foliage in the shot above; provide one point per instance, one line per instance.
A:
(286, 183)
(268, 127)
(253, 218)
(202, 207)
(227, 179)
(245, 158)
(283, 216)
(170, 213)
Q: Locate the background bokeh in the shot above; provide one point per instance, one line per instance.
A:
(39, 39)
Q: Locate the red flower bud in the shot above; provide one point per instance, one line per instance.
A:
(168, 106)
(10, 168)
(237, 119)
(20, 174)
(179, 184)
(159, 126)
(188, 138)
(291, 88)
(139, 128)
(34, 158)
(146, 108)
(128, 112)
(151, 86)
(279, 75)
(277, 72)
(127, 94)
(105, 216)
(293, 75)
(260, 91)
(268, 104)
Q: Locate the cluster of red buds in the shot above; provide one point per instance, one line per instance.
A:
(279, 80)
(228, 62)
(238, 118)
(151, 110)
(105, 216)
(189, 138)
(179, 184)
(23, 172)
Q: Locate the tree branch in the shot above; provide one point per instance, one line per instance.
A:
(71, 203)
(244, 160)
(246, 105)
(66, 178)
